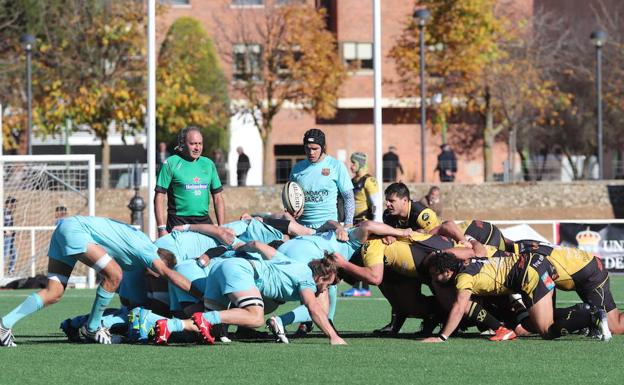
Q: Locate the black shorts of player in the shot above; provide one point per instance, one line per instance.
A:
(175, 220)
(531, 287)
(593, 286)
(486, 233)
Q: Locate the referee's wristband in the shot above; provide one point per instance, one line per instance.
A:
(162, 228)
(442, 337)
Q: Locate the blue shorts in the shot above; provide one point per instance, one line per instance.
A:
(194, 273)
(230, 276)
(68, 240)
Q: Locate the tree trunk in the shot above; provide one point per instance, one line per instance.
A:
(105, 163)
(266, 155)
(488, 138)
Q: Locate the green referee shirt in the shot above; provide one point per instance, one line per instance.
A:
(188, 185)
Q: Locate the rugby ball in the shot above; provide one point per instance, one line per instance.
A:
(293, 198)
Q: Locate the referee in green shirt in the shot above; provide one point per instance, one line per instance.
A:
(187, 180)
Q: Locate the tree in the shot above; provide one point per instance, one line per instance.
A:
(193, 88)
(284, 54)
(462, 37)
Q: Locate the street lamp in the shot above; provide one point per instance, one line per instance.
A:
(599, 38)
(421, 16)
(29, 42)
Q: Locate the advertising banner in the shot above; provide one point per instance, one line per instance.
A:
(605, 241)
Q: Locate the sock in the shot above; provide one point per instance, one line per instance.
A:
(364, 286)
(175, 325)
(102, 299)
(213, 317)
(299, 314)
(482, 318)
(570, 319)
(117, 318)
(31, 304)
(332, 291)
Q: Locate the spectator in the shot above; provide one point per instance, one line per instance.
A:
(447, 164)
(187, 180)
(10, 249)
(221, 164)
(161, 156)
(390, 164)
(432, 200)
(60, 212)
(242, 167)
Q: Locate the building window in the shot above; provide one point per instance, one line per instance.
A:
(176, 2)
(286, 156)
(247, 3)
(247, 60)
(357, 56)
(288, 2)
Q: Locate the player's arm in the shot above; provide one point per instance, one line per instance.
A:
(370, 274)
(349, 207)
(369, 228)
(175, 278)
(462, 300)
(464, 253)
(263, 249)
(159, 212)
(319, 316)
(451, 230)
(222, 234)
(219, 207)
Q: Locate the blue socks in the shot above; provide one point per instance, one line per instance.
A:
(102, 299)
(119, 317)
(213, 317)
(175, 325)
(31, 304)
(299, 314)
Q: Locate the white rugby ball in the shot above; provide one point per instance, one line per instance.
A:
(293, 198)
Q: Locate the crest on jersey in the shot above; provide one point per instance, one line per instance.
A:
(325, 171)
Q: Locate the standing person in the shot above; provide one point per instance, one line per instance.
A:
(365, 192)
(390, 164)
(10, 249)
(185, 181)
(219, 161)
(447, 164)
(242, 167)
(432, 200)
(161, 156)
(322, 177)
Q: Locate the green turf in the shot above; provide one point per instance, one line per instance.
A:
(44, 357)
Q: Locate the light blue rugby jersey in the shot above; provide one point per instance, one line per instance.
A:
(186, 244)
(282, 279)
(321, 183)
(129, 247)
(306, 248)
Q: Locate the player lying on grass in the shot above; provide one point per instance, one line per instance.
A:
(529, 274)
(107, 246)
(582, 272)
(245, 282)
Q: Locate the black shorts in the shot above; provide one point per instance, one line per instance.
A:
(486, 233)
(592, 285)
(532, 277)
(175, 220)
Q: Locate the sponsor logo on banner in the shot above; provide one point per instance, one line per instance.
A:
(605, 241)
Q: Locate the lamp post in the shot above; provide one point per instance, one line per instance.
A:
(421, 16)
(599, 38)
(29, 42)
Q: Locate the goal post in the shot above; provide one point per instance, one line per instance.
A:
(36, 191)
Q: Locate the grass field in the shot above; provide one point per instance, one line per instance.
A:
(43, 355)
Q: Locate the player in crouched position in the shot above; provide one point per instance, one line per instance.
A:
(108, 247)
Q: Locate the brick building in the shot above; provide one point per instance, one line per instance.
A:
(352, 128)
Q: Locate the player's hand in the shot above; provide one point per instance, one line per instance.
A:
(178, 228)
(246, 247)
(432, 340)
(246, 217)
(388, 239)
(226, 235)
(407, 233)
(340, 260)
(337, 341)
(342, 235)
(466, 244)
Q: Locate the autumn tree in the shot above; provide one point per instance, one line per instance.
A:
(192, 87)
(284, 54)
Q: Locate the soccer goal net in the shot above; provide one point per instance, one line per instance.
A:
(37, 191)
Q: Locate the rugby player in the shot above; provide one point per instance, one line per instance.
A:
(109, 247)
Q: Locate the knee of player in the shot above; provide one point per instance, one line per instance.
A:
(113, 277)
(256, 314)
